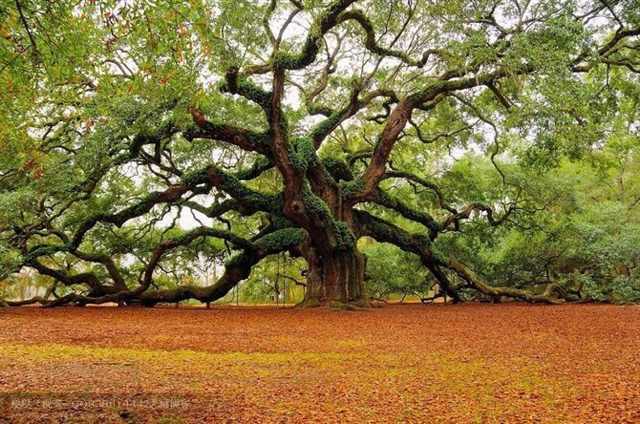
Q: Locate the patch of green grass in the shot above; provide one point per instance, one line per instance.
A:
(169, 359)
(493, 390)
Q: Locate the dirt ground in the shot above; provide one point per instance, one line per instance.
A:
(469, 363)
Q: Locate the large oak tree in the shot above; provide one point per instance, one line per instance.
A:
(282, 126)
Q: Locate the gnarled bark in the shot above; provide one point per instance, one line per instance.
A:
(336, 279)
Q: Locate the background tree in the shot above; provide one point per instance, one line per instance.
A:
(289, 126)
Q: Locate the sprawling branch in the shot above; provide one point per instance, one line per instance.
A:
(393, 128)
(552, 293)
(236, 269)
(424, 183)
(245, 139)
(311, 47)
(386, 232)
(186, 239)
(455, 218)
(383, 199)
(383, 231)
(372, 45)
(335, 118)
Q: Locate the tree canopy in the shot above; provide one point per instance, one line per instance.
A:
(493, 142)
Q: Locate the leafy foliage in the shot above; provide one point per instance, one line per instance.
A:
(143, 144)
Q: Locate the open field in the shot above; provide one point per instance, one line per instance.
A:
(470, 363)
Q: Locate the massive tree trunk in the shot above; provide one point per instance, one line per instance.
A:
(336, 278)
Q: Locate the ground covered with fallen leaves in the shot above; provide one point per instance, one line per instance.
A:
(437, 363)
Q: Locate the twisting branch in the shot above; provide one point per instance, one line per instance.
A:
(245, 139)
(424, 183)
(553, 293)
(386, 232)
(186, 239)
(372, 45)
(455, 218)
(383, 199)
(35, 51)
